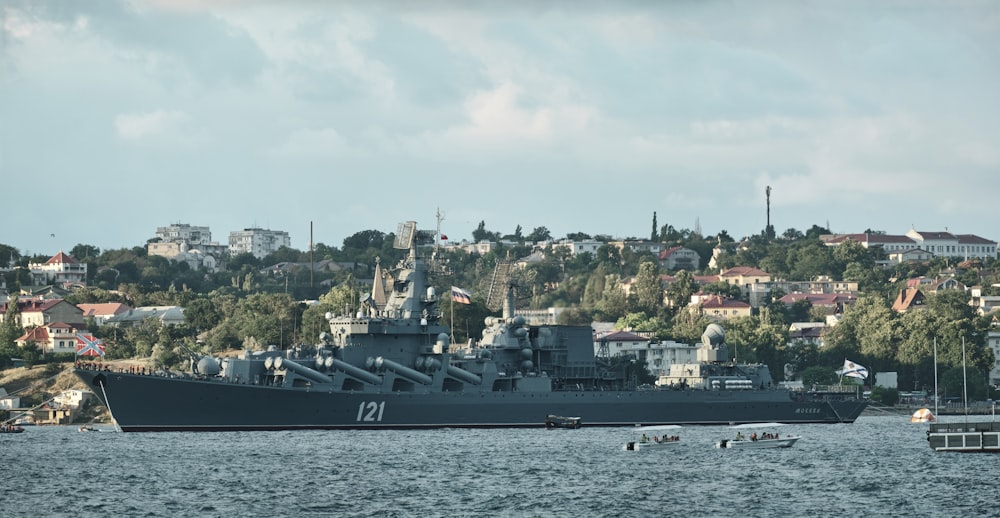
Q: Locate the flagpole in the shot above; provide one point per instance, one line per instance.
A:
(935, 378)
(965, 383)
(452, 322)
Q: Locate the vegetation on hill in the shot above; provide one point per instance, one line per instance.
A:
(251, 304)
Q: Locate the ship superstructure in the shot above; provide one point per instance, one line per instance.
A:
(390, 364)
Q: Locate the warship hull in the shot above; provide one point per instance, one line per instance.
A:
(149, 403)
(389, 363)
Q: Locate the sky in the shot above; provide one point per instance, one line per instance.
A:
(578, 116)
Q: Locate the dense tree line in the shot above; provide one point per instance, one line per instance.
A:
(247, 305)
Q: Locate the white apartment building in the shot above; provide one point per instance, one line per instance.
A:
(257, 241)
(659, 356)
(939, 244)
(184, 233)
(191, 244)
(579, 247)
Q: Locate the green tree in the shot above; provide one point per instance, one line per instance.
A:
(613, 304)
(688, 326)
(818, 375)
(680, 290)
(85, 253)
(10, 329)
(885, 396)
(954, 383)
(539, 234)
(202, 314)
(649, 288)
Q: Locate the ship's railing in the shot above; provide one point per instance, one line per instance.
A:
(839, 389)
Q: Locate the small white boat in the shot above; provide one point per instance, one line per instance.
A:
(649, 438)
(758, 440)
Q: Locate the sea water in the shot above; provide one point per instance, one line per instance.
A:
(878, 466)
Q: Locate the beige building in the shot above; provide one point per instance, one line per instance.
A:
(51, 338)
(39, 312)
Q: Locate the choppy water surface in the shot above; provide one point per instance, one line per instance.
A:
(878, 466)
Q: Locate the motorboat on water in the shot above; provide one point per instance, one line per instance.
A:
(646, 438)
(558, 421)
(10, 428)
(758, 440)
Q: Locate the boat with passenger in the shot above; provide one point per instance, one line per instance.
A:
(643, 441)
(758, 440)
(11, 428)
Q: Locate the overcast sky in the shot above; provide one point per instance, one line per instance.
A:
(120, 117)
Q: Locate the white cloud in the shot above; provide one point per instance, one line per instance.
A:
(312, 144)
(160, 128)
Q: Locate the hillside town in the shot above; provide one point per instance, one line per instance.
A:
(39, 295)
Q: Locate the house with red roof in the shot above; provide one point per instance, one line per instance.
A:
(909, 298)
(101, 313)
(744, 275)
(57, 337)
(719, 308)
(36, 312)
(679, 258)
(934, 285)
(61, 270)
(831, 303)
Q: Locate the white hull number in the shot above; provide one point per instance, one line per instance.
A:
(370, 411)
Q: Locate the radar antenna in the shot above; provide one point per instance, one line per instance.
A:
(499, 286)
(405, 235)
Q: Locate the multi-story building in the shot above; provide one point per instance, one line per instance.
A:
(679, 258)
(961, 246)
(257, 241)
(578, 247)
(191, 244)
(639, 247)
(57, 337)
(36, 312)
(184, 233)
(914, 242)
(659, 356)
(60, 270)
(167, 315)
(718, 308)
(759, 293)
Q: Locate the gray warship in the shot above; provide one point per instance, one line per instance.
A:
(390, 365)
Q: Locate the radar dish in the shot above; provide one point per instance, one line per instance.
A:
(713, 335)
(404, 235)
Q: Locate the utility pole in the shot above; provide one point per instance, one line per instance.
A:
(768, 206)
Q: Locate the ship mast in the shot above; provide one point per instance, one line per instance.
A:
(437, 232)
